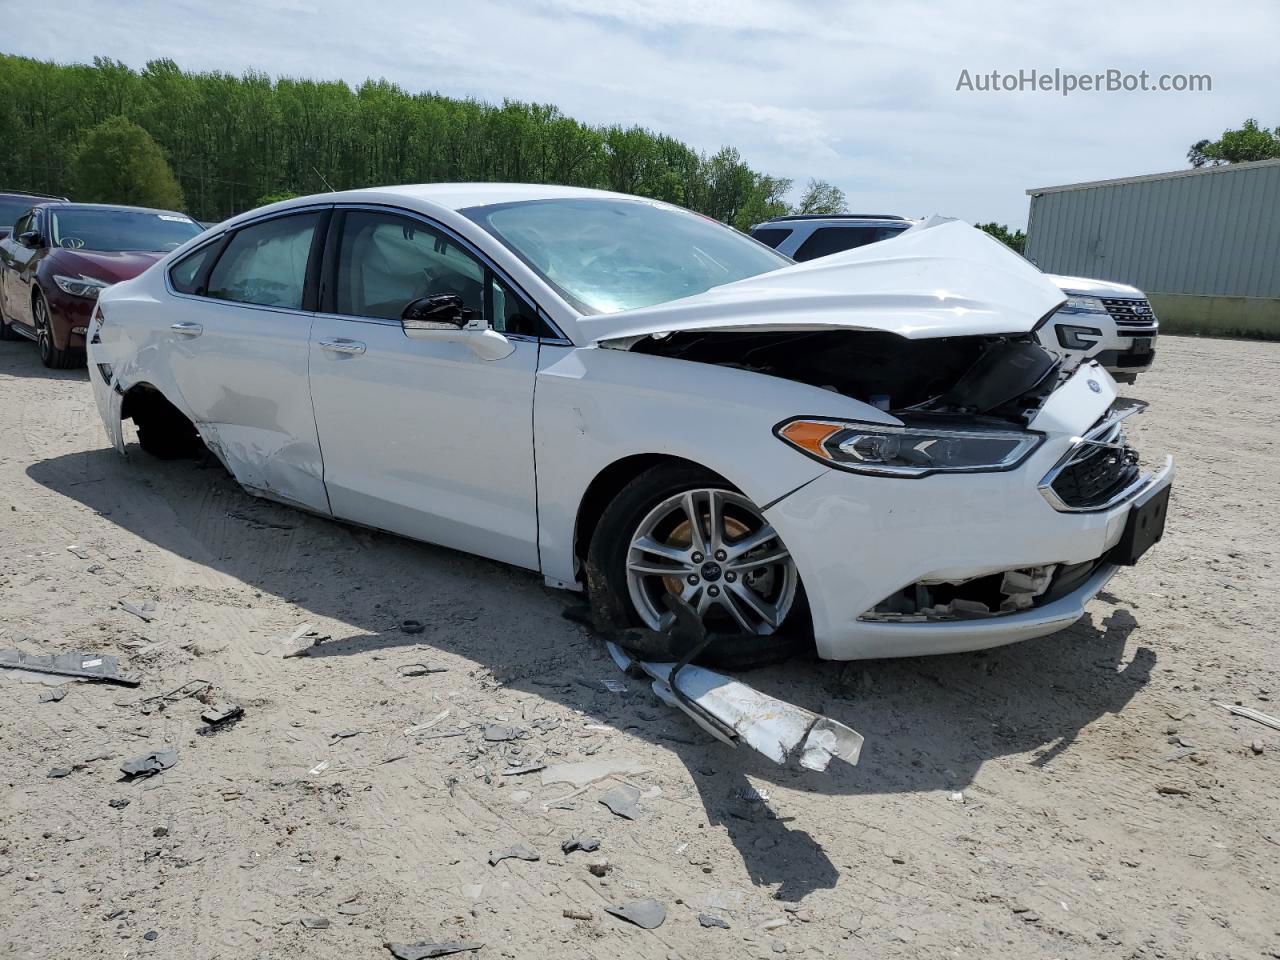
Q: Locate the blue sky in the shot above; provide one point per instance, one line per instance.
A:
(861, 94)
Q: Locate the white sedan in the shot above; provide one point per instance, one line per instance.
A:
(868, 451)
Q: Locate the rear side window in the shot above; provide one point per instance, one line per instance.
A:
(266, 263)
(186, 273)
(828, 240)
(771, 236)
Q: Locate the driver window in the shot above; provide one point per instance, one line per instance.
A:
(386, 262)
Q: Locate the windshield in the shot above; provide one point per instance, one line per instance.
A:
(12, 209)
(120, 230)
(606, 255)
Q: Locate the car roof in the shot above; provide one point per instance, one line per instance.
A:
(459, 196)
(838, 216)
(33, 196)
(67, 205)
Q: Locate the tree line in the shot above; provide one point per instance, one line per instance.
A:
(232, 142)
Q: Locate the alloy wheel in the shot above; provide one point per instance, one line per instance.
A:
(714, 550)
(44, 337)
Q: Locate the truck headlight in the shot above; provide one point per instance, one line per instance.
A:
(82, 286)
(909, 450)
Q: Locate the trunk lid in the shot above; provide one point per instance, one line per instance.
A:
(941, 279)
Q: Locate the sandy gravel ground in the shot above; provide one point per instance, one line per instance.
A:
(1026, 802)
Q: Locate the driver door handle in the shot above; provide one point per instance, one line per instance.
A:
(338, 345)
(187, 329)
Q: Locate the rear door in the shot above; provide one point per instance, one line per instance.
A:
(237, 344)
(20, 262)
(423, 437)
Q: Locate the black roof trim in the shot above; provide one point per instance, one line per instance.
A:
(27, 193)
(837, 216)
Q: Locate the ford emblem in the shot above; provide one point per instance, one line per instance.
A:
(1095, 386)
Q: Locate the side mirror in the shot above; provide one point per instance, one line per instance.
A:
(444, 311)
(29, 239)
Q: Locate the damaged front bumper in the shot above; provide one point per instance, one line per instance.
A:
(861, 542)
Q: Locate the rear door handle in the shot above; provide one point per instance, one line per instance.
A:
(338, 345)
(187, 329)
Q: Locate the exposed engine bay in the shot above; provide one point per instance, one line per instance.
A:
(1005, 378)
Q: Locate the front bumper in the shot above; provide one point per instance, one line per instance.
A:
(857, 540)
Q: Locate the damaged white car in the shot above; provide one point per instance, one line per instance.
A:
(869, 450)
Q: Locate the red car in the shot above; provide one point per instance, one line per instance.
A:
(59, 256)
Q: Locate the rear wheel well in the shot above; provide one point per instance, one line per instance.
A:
(163, 430)
(607, 484)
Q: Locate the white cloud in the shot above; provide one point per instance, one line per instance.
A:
(862, 95)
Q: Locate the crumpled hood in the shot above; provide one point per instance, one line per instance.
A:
(942, 278)
(105, 266)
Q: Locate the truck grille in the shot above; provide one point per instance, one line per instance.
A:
(1096, 474)
(1130, 312)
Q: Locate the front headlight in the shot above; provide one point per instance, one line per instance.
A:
(80, 286)
(907, 451)
(1079, 304)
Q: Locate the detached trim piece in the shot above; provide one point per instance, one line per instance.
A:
(733, 712)
(89, 666)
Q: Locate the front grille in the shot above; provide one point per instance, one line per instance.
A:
(1130, 311)
(1096, 475)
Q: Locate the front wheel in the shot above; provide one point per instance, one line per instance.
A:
(679, 529)
(50, 355)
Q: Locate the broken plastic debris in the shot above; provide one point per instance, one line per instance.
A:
(500, 733)
(58, 773)
(517, 851)
(52, 696)
(300, 642)
(424, 951)
(614, 686)
(1255, 715)
(315, 923)
(146, 613)
(346, 734)
(736, 712)
(707, 920)
(623, 800)
(90, 666)
(647, 914)
(318, 769)
(520, 771)
(411, 626)
(149, 764)
(418, 670)
(585, 844)
(587, 772)
(221, 712)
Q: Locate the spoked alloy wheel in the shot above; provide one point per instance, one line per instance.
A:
(44, 336)
(714, 550)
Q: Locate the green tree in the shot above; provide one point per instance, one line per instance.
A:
(821, 197)
(1014, 239)
(118, 162)
(1250, 142)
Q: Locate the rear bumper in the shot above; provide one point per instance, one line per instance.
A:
(857, 540)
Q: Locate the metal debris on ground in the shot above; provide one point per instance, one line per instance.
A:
(585, 844)
(146, 612)
(149, 764)
(647, 914)
(517, 851)
(159, 701)
(587, 772)
(88, 666)
(52, 695)
(315, 923)
(425, 951)
(220, 712)
(412, 626)
(419, 670)
(614, 686)
(1256, 715)
(623, 800)
(301, 641)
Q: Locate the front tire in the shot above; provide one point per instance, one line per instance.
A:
(680, 529)
(50, 355)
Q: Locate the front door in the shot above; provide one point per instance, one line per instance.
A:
(423, 437)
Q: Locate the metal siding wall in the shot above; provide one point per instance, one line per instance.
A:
(1212, 234)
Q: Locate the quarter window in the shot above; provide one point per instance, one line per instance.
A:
(266, 263)
(186, 273)
(771, 236)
